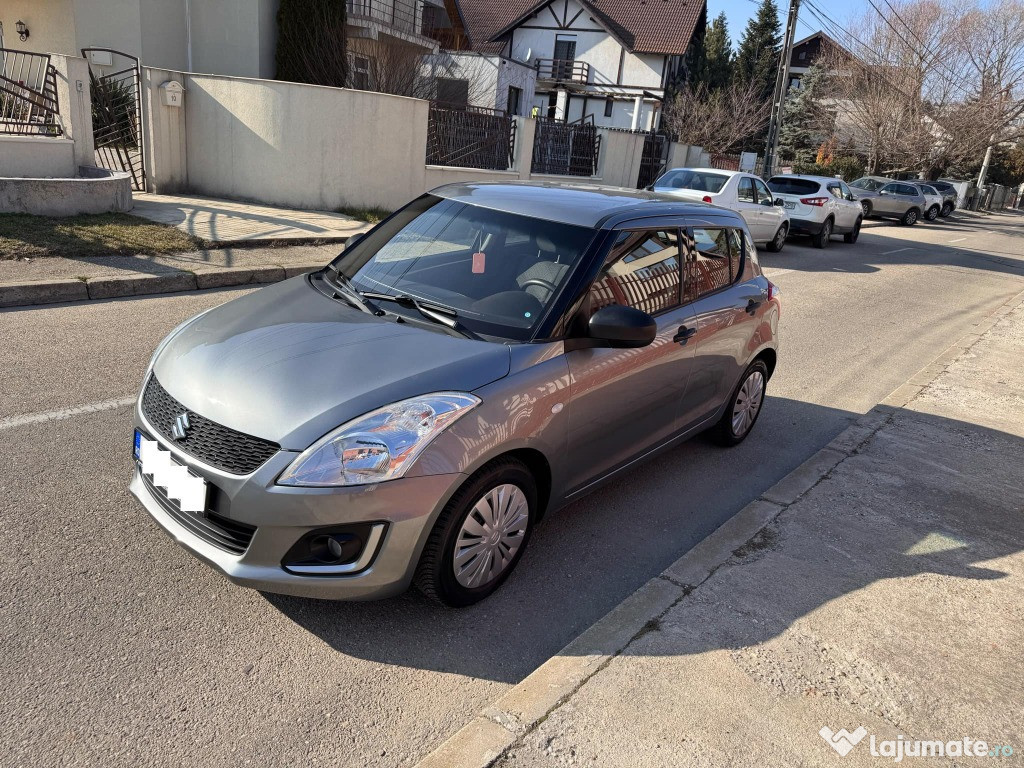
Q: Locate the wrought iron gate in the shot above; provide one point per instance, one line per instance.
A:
(653, 160)
(117, 112)
(566, 149)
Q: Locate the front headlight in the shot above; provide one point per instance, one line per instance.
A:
(379, 446)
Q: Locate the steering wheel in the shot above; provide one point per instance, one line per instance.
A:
(546, 284)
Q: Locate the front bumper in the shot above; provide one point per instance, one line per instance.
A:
(407, 509)
(805, 227)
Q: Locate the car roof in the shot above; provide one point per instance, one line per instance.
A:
(719, 171)
(580, 204)
(819, 179)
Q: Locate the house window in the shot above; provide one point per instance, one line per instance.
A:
(359, 76)
(515, 98)
(452, 92)
(802, 55)
(609, 105)
(794, 82)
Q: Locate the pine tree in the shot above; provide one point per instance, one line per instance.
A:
(714, 66)
(312, 42)
(757, 58)
(806, 122)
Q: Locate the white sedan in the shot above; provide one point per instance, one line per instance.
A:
(742, 192)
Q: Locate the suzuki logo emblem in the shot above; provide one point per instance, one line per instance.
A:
(180, 427)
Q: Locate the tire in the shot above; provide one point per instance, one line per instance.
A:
(823, 238)
(779, 241)
(910, 218)
(725, 432)
(436, 574)
(865, 206)
(851, 237)
(947, 208)
(933, 213)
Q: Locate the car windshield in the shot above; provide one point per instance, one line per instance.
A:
(499, 271)
(684, 178)
(785, 185)
(869, 184)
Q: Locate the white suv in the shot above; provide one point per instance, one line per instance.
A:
(819, 206)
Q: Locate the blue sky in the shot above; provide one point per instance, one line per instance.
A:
(739, 11)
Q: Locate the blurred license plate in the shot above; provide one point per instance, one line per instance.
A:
(175, 479)
(789, 205)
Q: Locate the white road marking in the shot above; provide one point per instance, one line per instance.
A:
(776, 272)
(66, 413)
(886, 253)
(958, 240)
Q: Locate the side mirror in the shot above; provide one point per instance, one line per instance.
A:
(622, 326)
(851, 198)
(779, 201)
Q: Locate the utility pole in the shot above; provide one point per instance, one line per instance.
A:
(781, 82)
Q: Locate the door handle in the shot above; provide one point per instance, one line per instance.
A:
(683, 335)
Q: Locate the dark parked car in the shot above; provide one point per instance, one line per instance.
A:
(487, 354)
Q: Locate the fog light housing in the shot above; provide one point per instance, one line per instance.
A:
(339, 550)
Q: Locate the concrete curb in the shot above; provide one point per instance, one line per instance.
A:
(498, 727)
(41, 292)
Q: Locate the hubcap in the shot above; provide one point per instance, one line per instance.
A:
(748, 403)
(490, 536)
(866, 208)
(911, 217)
(780, 238)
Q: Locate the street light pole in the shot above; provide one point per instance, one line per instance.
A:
(779, 96)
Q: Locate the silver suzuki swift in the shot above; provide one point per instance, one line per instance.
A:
(409, 413)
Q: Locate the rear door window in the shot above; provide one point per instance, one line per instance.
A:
(643, 272)
(745, 191)
(711, 264)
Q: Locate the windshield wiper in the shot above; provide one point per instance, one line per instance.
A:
(344, 288)
(438, 313)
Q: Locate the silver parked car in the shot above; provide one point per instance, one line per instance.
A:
(487, 354)
(818, 206)
(888, 199)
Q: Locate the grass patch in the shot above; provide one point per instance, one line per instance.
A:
(107, 234)
(369, 215)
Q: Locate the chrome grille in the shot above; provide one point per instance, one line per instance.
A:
(211, 443)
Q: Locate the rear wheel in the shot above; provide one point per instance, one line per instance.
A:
(823, 238)
(744, 407)
(779, 240)
(851, 237)
(910, 217)
(933, 213)
(480, 535)
(947, 208)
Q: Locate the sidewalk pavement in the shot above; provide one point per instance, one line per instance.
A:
(48, 280)
(877, 587)
(220, 222)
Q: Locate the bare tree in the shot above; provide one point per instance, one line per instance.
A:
(311, 41)
(403, 70)
(718, 120)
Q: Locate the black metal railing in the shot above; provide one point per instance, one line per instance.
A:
(470, 138)
(653, 159)
(410, 16)
(562, 70)
(28, 94)
(566, 149)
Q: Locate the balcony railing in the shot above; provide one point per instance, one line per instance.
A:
(28, 94)
(410, 16)
(563, 70)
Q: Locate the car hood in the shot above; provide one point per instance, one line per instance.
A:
(288, 364)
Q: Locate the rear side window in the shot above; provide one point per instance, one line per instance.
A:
(684, 178)
(785, 186)
(643, 273)
(713, 262)
(836, 190)
(906, 189)
(745, 191)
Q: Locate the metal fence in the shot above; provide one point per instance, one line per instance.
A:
(470, 138)
(566, 149)
(28, 94)
(117, 114)
(732, 163)
(650, 289)
(407, 16)
(653, 160)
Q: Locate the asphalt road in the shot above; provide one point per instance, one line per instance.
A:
(119, 649)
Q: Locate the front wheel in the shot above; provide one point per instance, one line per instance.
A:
(909, 218)
(933, 213)
(851, 237)
(744, 406)
(480, 535)
(947, 208)
(823, 238)
(779, 240)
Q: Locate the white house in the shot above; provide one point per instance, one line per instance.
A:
(606, 59)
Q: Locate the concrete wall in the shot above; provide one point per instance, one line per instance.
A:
(167, 169)
(163, 34)
(73, 97)
(489, 77)
(303, 145)
(37, 157)
(96, 191)
(51, 25)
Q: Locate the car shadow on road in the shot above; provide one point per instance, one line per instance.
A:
(589, 556)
